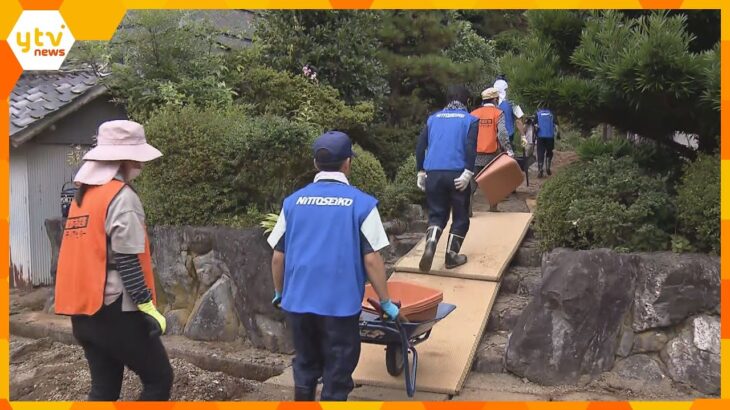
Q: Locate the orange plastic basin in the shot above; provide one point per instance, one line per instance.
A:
(417, 303)
(499, 178)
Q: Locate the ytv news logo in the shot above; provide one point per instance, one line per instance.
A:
(40, 40)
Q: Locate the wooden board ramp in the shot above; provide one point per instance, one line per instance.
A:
(445, 358)
(492, 241)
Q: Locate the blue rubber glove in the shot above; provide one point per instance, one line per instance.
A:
(390, 309)
(276, 301)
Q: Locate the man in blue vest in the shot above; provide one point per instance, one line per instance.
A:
(326, 243)
(445, 155)
(547, 131)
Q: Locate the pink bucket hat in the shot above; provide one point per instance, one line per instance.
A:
(116, 141)
(122, 140)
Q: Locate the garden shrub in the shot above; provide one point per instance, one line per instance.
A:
(698, 203)
(221, 166)
(605, 203)
(367, 174)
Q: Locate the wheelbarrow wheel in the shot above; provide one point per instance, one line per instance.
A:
(394, 359)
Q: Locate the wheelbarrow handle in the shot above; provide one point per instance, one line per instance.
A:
(412, 369)
(376, 305)
(406, 346)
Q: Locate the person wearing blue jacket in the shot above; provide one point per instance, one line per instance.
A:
(445, 156)
(326, 244)
(547, 131)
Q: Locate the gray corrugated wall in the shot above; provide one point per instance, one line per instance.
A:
(20, 254)
(47, 172)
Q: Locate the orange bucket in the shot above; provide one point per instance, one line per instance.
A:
(499, 178)
(417, 303)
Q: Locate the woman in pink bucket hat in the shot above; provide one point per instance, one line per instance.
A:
(105, 280)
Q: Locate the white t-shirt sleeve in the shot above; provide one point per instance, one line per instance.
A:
(278, 232)
(517, 111)
(125, 224)
(373, 230)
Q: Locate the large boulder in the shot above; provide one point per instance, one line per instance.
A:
(693, 357)
(214, 316)
(569, 332)
(649, 341)
(177, 284)
(672, 287)
(176, 320)
(188, 259)
(208, 268)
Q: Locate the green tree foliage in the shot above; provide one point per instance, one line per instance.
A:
(698, 203)
(478, 55)
(267, 91)
(163, 58)
(342, 45)
(639, 75)
(489, 24)
(418, 52)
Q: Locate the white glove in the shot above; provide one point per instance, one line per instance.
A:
(421, 180)
(524, 141)
(463, 181)
(511, 153)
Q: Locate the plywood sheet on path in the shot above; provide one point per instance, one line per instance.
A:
(445, 358)
(493, 239)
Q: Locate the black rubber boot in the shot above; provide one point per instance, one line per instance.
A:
(432, 239)
(304, 393)
(547, 165)
(453, 259)
(539, 171)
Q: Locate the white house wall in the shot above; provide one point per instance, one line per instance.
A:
(47, 172)
(20, 249)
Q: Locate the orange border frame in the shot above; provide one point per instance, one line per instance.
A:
(89, 20)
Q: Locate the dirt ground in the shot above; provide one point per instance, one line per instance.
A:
(43, 370)
(48, 371)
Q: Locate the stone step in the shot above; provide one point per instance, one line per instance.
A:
(528, 255)
(505, 312)
(489, 357)
(521, 280)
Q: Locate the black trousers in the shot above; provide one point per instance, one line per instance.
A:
(544, 150)
(443, 199)
(112, 339)
(326, 347)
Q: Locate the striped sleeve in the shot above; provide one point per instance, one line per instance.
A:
(130, 271)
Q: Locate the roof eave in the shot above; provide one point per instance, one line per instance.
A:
(28, 133)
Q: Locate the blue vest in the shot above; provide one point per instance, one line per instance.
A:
(324, 272)
(447, 132)
(509, 117)
(545, 124)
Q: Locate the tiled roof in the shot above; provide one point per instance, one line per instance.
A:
(40, 94)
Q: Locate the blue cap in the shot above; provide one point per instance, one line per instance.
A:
(336, 143)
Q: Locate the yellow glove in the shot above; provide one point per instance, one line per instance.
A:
(156, 320)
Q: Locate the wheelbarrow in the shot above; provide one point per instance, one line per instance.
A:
(399, 338)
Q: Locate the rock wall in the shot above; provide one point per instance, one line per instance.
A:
(643, 316)
(214, 283)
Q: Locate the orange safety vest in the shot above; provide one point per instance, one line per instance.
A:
(487, 137)
(82, 260)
